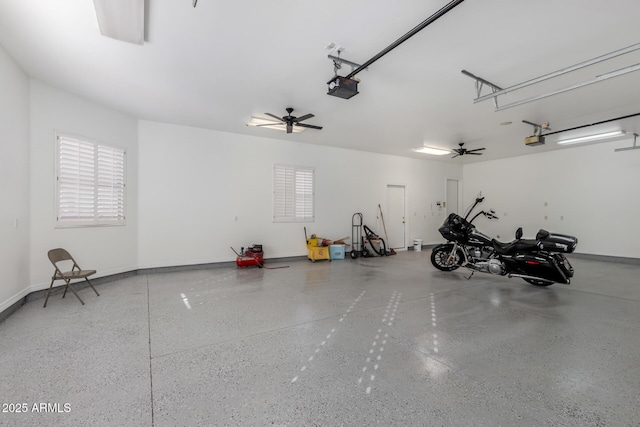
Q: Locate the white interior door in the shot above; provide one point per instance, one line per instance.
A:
(452, 196)
(395, 217)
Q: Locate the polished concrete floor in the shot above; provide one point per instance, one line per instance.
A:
(378, 341)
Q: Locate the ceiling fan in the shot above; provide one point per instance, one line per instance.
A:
(462, 151)
(292, 121)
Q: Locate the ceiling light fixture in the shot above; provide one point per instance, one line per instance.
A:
(588, 138)
(431, 150)
(270, 124)
(121, 19)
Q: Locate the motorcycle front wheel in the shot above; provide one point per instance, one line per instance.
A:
(440, 258)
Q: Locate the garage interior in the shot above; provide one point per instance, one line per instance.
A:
(181, 336)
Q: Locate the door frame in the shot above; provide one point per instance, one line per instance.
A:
(459, 201)
(404, 210)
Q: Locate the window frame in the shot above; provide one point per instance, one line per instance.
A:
(96, 219)
(295, 216)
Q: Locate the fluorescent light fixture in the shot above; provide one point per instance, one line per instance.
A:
(431, 150)
(595, 137)
(121, 19)
(271, 124)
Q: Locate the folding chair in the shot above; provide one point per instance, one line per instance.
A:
(59, 255)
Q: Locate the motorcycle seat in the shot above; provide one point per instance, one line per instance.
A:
(515, 246)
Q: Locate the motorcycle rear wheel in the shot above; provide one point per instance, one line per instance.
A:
(536, 282)
(440, 258)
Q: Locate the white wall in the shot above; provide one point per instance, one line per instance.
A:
(14, 182)
(590, 192)
(109, 250)
(195, 182)
(186, 186)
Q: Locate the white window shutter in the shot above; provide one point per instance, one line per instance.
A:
(293, 196)
(304, 195)
(90, 183)
(76, 180)
(110, 189)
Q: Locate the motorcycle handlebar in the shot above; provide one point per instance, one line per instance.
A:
(491, 215)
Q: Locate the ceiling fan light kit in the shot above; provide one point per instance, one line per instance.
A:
(290, 122)
(462, 151)
(432, 151)
(271, 124)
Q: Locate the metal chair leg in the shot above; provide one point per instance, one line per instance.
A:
(94, 289)
(74, 292)
(48, 293)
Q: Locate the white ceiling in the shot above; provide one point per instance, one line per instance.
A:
(216, 65)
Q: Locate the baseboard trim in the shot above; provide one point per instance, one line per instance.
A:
(31, 294)
(606, 258)
(14, 303)
(12, 308)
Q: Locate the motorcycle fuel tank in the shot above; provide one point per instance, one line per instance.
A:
(477, 238)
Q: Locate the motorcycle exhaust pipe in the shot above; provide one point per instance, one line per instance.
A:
(524, 276)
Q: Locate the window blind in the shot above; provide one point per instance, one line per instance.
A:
(110, 202)
(90, 182)
(293, 194)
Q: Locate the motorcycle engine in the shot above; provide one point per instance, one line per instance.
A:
(496, 267)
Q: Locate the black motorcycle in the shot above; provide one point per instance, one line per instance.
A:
(540, 262)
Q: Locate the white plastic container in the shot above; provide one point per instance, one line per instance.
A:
(336, 251)
(417, 245)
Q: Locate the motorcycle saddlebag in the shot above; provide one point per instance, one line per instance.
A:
(556, 242)
(546, 267)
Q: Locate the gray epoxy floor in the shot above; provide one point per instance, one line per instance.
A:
(386, 341)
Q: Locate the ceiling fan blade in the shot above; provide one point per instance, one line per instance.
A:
(475, 154)
(475, 149)
(275, 117)
(305, 117)
(455, 156)
(270, 124)
(289, 128)
(303, 125)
